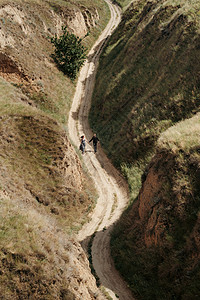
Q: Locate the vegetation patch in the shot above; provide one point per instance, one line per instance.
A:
(69, 53)
(157, 252)
(45, 195)
(147, 80)
(27, 257)
(146, 86)
(90, 259)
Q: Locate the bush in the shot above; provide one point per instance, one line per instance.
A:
(69, 53)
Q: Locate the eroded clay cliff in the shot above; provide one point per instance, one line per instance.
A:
(44, 191)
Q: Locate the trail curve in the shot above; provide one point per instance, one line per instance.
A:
(111, 187)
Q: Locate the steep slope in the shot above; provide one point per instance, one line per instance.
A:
(156, 245)
(148, 81)
(44, 190)
(112, 188)
(37, 259)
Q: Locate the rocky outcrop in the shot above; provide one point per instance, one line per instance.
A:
(80, 22)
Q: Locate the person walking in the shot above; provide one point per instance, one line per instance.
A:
(82, 145)
(95, 141)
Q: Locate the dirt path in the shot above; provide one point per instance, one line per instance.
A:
(112, 189)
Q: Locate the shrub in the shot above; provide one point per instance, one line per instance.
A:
(69, 53)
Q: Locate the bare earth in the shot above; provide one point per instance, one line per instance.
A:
(112, 189)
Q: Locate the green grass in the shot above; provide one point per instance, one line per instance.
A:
(123, 3)
(133, 173)
(146, 82)
(184, 135)
(165, 266)
(12, 229)
(146, 93)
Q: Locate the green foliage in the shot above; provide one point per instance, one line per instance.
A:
(69, 53)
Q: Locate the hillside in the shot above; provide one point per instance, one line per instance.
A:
(148, 80)
(156, 244)
(45, 195)
(143, 109)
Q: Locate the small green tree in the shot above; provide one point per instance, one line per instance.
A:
(69, 53)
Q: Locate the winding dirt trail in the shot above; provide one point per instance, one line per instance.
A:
(111, 188)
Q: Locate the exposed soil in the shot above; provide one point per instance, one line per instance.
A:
(111, 187)
(43, 189)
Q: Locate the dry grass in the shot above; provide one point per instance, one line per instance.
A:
(184, 135)
(34, 109)
(44, 193)
(148, 94)
(147, 80)
(31, 249)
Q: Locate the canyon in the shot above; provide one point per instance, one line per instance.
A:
(122, 223)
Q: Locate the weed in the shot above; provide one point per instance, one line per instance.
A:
(102, 288)
(114, 205)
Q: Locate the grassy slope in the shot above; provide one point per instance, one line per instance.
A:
(44, 192)
(123, 3)
(35, 153)
(36, 108)
(157, 250)
(148, 79)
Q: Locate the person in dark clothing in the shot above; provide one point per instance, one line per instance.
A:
(95, 141)
(82, 145)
